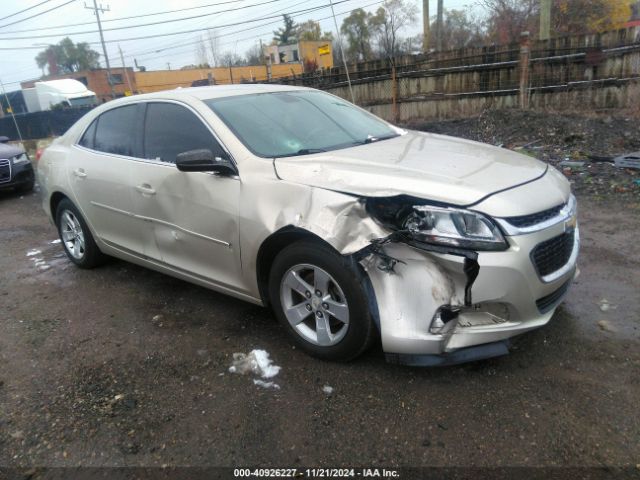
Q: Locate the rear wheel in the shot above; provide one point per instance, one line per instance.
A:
(76, 237)
(317, 296)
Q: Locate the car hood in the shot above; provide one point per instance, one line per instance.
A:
(8, 151)
(424, 165)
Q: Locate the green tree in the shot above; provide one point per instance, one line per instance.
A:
(69, 57)
(357, 31)
(287, 34)
(310, 31)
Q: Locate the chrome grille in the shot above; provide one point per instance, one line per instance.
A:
(5, 171)
(553, 254)
(534, 218)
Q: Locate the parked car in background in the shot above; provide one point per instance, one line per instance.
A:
(16, 170)
(350, 228)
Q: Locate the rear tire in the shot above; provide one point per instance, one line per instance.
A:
(76, 237)
(317, 296)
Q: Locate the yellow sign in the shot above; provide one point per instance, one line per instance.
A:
(324, 50)
(127, 93)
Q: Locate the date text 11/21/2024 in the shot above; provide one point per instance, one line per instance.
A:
(315, 473)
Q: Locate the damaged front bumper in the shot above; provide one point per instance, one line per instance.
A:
(432, 311)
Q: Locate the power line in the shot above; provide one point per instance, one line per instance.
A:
(26, 9)
(37, 14)
(126, 27)
(179, 32)
(245, 38)
(121, 18)
(191, 42)
(173, 44)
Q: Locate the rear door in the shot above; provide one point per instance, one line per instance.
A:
(100, 176)
(195, 214)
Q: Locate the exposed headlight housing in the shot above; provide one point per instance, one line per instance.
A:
(440, 225)
(22, 158)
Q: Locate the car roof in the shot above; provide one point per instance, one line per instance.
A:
(210, 92)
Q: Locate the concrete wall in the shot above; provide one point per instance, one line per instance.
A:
(582, 72)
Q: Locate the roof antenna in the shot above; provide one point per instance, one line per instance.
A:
(4, 92)
(344, 62)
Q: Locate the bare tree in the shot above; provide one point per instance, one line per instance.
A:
(389, 20)
(213, 46)
(507, 19)
(201, 51)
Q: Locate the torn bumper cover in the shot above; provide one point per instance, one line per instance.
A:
(432, 311)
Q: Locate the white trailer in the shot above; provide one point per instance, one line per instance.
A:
(67, 91)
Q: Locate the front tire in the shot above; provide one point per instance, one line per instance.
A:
(318, 298)
(76, 237)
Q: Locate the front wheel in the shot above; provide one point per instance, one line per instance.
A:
(318, 298)
(76, 237)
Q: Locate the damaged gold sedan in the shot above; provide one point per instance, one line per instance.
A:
(350, 228)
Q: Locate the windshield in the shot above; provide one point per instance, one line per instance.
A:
(298, 122)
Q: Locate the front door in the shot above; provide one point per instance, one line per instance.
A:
(194, 215)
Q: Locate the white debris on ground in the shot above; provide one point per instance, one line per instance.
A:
(263, 384)
(33, 252)
(605, 306)
(327, 389)
(56, 241)
(258, 363)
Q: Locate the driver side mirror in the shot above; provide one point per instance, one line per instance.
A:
(203, 160)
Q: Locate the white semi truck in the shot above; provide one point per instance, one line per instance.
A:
(68, 92)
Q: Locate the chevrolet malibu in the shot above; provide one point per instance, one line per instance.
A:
(351, 229)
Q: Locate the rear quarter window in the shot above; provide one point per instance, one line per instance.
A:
(89, 135)
(116, 131)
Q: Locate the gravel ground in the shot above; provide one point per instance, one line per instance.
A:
(122, 366)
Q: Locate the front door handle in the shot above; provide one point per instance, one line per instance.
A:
(79, 172)
(146, 189)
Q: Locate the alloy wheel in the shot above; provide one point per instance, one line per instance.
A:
(314, 304)
(72, 235)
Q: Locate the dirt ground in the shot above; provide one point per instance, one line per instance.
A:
(122, 366)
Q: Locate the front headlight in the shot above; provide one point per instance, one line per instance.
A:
(22, 158)
(440, 225)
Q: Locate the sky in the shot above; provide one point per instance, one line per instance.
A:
(21, 42)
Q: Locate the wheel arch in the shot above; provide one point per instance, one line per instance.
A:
(54, 201)
(273, 245)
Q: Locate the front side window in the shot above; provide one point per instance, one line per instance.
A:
(297, 122)
(171, 129)
(115, 132)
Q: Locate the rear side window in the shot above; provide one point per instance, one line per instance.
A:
(171, 129)
(115, 132)
(89, 135)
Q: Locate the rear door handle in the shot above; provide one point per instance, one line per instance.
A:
(146, 189)
(79, 172)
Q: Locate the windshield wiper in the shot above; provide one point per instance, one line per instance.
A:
(303, 151)
(371, 139)
(307, 151)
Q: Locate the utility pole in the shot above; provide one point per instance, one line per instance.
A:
(545, 19)
(97, 10)
(344, 61)
(439, 25)
(425, 26)
(126, 73)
